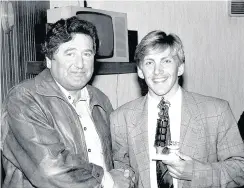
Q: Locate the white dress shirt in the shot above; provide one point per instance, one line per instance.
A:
(93, 142)
(175, 122)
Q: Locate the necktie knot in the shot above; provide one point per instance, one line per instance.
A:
(163, 109)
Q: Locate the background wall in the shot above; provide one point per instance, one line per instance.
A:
(213, 41)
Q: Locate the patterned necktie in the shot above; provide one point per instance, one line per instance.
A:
(162, 138)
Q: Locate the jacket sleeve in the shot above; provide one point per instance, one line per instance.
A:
(228, 171)
(39, 151)
(120, 146)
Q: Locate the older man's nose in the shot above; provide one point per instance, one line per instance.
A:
(79, 62)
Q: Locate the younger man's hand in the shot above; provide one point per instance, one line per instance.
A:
(180, 166)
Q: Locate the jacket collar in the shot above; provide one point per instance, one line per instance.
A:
(46, 86)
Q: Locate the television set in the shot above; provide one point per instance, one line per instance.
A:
(111, 29)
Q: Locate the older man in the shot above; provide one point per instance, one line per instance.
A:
(55, 127)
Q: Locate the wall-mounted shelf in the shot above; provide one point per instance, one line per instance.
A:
(115, 67)
(101, 68)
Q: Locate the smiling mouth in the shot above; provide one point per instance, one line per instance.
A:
(78, 73)
(162, 79)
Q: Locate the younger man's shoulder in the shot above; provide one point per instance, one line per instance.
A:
(134, 105)
(202, 97)
(205, 99)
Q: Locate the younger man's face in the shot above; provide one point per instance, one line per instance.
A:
(160, 70)
(73, 63)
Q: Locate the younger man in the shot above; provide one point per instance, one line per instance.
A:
(211, 151)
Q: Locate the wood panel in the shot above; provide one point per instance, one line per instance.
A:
(18, 46)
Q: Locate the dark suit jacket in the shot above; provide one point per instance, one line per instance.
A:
(208, 133)
(43, 142)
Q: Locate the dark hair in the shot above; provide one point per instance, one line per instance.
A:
(159, 40)
(63, 30)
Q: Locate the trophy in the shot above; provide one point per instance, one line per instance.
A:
(162, 137)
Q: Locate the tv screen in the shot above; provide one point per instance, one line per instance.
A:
(105, 32)
(111, 27)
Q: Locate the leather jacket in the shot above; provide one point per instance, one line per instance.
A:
(43, 144)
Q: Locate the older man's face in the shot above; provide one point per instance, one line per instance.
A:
(72, 65)
(161, 69)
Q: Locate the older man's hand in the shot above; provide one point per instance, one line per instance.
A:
(121, 179)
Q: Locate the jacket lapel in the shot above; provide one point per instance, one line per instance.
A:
(189, 127)
(139, 140)
(44, 82)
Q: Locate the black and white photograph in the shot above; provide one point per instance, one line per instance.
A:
(122, 93)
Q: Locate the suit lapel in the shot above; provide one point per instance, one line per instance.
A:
(189, 126)
(139, 137)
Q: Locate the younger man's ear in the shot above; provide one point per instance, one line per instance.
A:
(49, 62)
(140, 73)
(181, 69)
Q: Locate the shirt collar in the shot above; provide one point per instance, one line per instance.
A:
(174, 100)
(84, 95)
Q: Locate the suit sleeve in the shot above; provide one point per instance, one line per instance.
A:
(120, 145)
(37, 147)
(228, 171)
